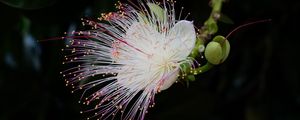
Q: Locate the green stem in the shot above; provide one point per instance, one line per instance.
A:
(210, 27)
(216, 5)
(204, 68)
(195, 52)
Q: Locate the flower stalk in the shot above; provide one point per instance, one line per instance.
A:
(210, 27)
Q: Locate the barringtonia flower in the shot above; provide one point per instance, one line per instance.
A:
(129, 57)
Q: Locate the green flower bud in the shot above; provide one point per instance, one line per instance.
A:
(226, 50)
(218, 50)
(213, 53)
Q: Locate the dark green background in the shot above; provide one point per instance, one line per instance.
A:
(259, 81)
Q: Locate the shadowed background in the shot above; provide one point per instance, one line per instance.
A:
(258, 81)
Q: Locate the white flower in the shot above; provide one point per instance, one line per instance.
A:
(129, 59)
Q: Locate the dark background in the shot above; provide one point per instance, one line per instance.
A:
(259, 80)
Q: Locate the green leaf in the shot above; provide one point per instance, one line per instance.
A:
(226, 19)
(143, 18)
(157, 10)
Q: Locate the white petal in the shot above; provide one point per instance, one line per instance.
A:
(182, 38)
(170, 80)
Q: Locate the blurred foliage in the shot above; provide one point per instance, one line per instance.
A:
(28, 4)
(258, 81)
